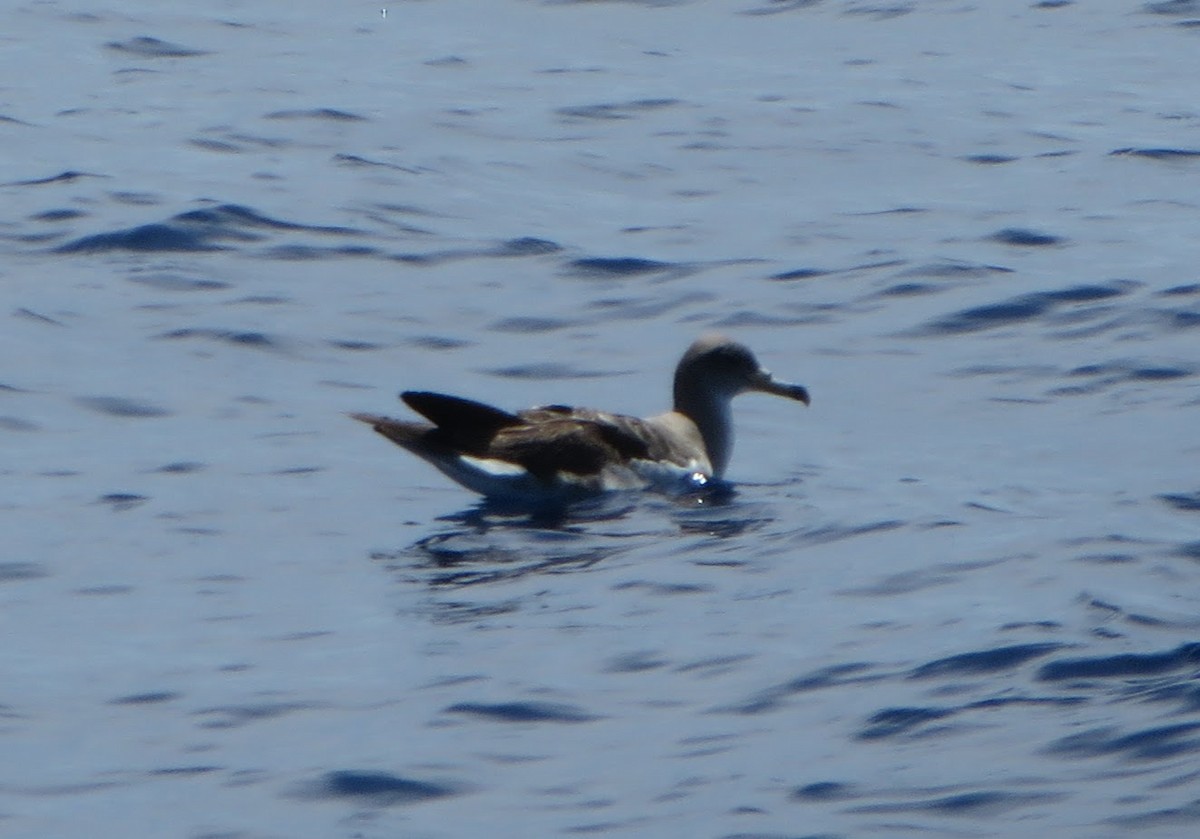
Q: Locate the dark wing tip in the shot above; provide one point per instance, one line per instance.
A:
(369, 419)
(454, 412)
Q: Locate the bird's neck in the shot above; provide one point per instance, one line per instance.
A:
(711, 413)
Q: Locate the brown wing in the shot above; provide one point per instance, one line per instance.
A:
(543, 440)
(583, 441)
(630, 437)
(633, 436)
(557, 445)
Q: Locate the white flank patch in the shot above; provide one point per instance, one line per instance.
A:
(668, 476)
(491, 466)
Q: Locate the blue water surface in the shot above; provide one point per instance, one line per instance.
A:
(958, 596)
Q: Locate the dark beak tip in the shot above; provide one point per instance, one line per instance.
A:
(797, 392)
(768, 385)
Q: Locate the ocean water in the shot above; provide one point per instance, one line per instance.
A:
(959, 596)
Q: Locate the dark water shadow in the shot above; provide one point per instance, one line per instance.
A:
(371, 788)
(467, 562)
(987, 686)
(211, 228)
(1024, 308)
(493, 542)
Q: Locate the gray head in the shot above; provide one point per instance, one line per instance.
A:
(717, 367)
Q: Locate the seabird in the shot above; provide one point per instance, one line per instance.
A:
(558, 452)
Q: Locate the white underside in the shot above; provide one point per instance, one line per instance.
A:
(501, 480)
